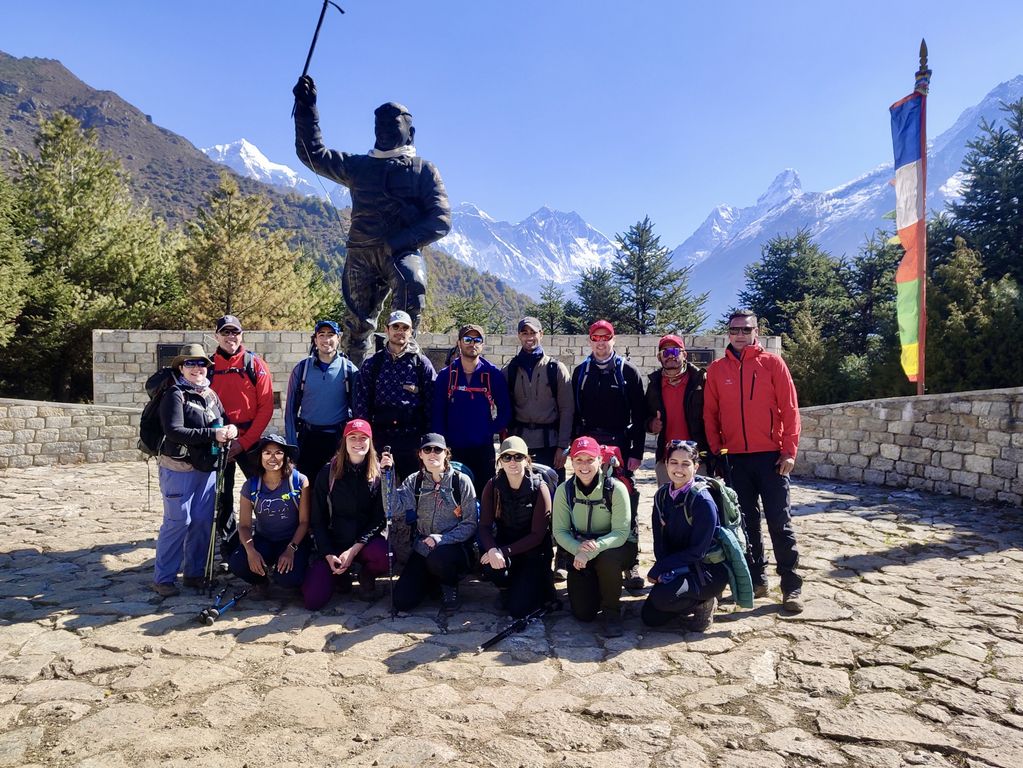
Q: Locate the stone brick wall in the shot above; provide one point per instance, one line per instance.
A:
(122, 360)
(43, 434)
(967, 444)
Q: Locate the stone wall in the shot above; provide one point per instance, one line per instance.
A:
(122, 360)
(42, 434)
(967, 444)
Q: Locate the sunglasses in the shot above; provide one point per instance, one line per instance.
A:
(673, 444)
(599, 337)
(472, 339)
(229, 332)
(671, 352)
(432, 449)
(195, 364)
(506, 457)
(735, 331)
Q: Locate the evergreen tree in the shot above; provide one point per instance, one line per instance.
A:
(14, 270)
(473, 308)
(990, 213)
(96, 260)
(234, 264)
(793, 268)
(655, 296)
(550, 310)
(810, 357)
(599, 297)
(967, 321)
(574, 318)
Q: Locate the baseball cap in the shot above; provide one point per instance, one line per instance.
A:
(602, 325)
(229, 321)
(358, 425)
(530, 322)
(513, 444)
(321, 324)
(477, 329)
(398, 316)
(433, 438)
(586, 445)
(670, 340)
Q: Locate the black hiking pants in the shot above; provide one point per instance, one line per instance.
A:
(598, 586)
(680, 596)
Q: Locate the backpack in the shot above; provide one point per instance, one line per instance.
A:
(456, 488)
(605, 498)
(248, 369)
(485, 389)
(297, 397)
(729, 514)
(294, 496)
(151, 434)
(552, 375)
(619, 372)
(548, 477)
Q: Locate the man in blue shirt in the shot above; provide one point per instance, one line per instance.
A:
(470, 405)
(320, 399)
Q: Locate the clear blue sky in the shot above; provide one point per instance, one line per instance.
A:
(614, 110)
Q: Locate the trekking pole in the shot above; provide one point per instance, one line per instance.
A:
(207, 574)
(214, 612)
(520, 624)
(388, 519)
(316, 35)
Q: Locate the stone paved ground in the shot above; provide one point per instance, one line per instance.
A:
(909, 654)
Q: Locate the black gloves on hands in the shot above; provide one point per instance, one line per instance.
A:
(305, 91)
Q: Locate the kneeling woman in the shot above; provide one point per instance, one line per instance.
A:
(273, 518)
(684, 521)
(593, 523)
(515, 519)
(440, 506)
(348, 518)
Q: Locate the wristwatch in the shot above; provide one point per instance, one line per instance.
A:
(293, 546)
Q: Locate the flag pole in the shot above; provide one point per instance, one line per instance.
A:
(923, 84)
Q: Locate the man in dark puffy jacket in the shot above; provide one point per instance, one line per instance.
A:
(674, 402)
(750, 408)
(399, 205)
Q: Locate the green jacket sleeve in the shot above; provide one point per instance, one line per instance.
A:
(561, 522)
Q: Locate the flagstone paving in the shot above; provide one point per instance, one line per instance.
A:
(909, 653)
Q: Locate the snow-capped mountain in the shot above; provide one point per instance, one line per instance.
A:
(839, 219)
(547, 245)
(246, 159)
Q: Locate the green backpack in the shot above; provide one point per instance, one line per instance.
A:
(729, 514)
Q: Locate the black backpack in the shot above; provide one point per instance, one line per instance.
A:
(248, 369)
(151, 434)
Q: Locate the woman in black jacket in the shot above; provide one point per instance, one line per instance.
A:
(347, 520)
(191, 416)
(515, 532)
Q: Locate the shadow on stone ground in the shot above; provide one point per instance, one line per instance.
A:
(909, 652)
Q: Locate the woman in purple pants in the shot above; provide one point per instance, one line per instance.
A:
(347, 521)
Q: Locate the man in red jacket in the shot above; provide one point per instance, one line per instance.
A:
(751, 411)
(243, 383)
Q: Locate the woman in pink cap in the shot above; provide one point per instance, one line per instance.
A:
(347, 521)
(592, 521)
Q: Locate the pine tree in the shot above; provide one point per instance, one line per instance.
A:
(550, 310)
(990, 214)
(234, 264)
(14, 270)
(599, 297)
(810, 357)
(97, 260)
(655, 296)
(473, 308)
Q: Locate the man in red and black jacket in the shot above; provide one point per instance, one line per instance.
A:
(243, 383)
(751, 410)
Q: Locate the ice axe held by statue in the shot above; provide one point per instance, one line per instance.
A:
(316, 36)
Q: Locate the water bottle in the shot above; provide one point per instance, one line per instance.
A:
(215, 449)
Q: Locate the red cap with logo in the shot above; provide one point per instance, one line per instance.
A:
(602, 326)
(361, 426)
(670, 340)
(586, 445)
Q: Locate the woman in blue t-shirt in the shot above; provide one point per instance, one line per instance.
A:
(273, 518)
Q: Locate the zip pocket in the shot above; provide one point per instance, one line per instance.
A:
(752, 385)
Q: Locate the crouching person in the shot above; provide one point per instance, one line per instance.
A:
(685, 520)
(592, 522)
(439, 504)
(515, 532)
(348, 518)
(273, 518)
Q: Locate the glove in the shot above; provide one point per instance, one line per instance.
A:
(305, 91)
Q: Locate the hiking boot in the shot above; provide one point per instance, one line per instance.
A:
(611, 626)
(368, 589)
(165, 589)
(449, 601)
(634, 580)
(702, 618)
(560, 575)
(193, 582)
(792, 602)
(761, 590)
